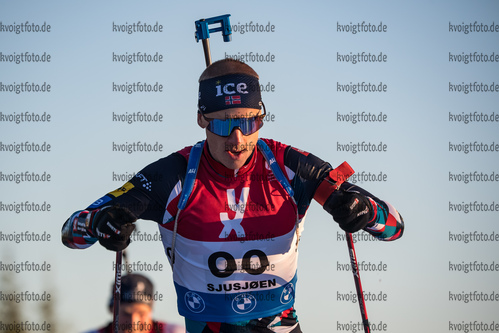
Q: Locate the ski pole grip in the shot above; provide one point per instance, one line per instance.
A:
(332, 182)
(341, 173)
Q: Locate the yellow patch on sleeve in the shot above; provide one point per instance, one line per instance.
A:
(123, 189)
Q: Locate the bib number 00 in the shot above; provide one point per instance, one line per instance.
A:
(231, 266)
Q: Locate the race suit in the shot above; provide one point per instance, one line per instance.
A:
(236, 240)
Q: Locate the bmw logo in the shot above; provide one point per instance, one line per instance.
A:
(194, 302)
(287, 293)
(244, 303)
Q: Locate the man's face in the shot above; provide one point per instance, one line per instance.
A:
(234, 150)
(135, 317)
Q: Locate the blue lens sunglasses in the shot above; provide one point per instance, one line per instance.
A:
(224, 127)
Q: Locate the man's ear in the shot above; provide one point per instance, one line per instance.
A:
(201, 121)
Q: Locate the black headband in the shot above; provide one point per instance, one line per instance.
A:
(229, 91)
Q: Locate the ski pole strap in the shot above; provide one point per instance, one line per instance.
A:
(332, 182)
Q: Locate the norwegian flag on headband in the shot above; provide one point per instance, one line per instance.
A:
(229, 100)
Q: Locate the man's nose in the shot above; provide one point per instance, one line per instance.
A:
(236, 137)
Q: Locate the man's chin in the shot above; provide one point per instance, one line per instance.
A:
(235, 163)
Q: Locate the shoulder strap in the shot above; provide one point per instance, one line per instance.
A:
(190, 176)
(276, 170)
(189, 179)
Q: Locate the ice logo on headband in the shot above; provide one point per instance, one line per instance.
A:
(228, 89)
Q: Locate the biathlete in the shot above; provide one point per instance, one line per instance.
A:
(230, 210)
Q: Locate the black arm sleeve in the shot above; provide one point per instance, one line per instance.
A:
(309, 172)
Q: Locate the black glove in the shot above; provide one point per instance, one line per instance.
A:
(351, 210)
(113, 227)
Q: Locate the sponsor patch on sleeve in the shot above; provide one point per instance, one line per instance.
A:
(123, 189)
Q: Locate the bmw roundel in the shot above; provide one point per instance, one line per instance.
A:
(244, 303)
(288, 293)
(194, 302)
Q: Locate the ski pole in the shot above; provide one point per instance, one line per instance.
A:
(203, 32)
(358, 285)
(117, 292)
(340, 175)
